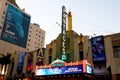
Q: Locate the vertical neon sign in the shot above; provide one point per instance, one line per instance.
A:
(63, 37)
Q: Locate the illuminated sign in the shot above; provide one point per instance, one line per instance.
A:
(68, 68)
(29, 63)
(40, 56)
(73, 69)
(63, 45)
(98, 50)
(89, 69)
(16, 26)
(60, 70)
(58, 64)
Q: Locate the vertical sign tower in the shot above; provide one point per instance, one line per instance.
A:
(63, 34)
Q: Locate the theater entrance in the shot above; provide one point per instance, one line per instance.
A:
(66, 77)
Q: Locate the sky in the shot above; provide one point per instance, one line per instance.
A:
(99, 17)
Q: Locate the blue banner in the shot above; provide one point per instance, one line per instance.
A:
(98, 50)
(20, 62)
(16, 26)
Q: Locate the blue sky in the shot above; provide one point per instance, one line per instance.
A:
(100, 17)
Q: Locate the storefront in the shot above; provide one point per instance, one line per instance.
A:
(60, 70)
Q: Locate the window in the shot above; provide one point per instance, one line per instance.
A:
(116, 51)
(50, 51)
(81, 55)
(28, 39)
(0, 27)
(6, 3)
(41, 45)
(28, 44)
(29, 35)
(28, 49)
(2, 17)
(2, 22)
(4, 12)
(30, 31)
(35, 43)
(50, 59)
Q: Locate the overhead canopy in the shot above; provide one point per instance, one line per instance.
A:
(58, 62)
(102, 71)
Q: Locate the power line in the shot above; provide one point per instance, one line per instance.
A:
(58, 24)
(98, 27)
(53, 27)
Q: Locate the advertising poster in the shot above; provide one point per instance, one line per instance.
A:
(29, 63)
(98, 50)
(16, 26)
(40, 53)
(20, 62)
(60, 70)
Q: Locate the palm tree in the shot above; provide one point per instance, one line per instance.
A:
(5, 60)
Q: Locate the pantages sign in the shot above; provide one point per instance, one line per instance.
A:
(63, 31)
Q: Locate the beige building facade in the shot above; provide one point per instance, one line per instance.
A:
(36, 37)
(113, 54)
